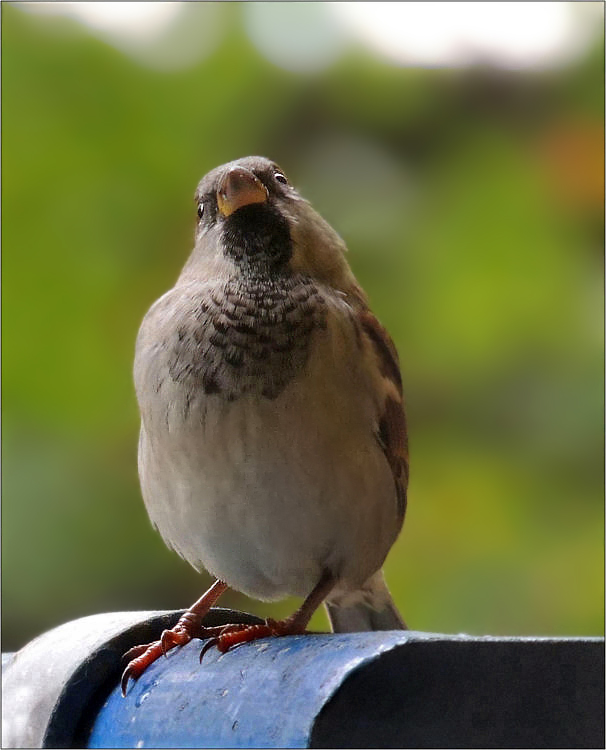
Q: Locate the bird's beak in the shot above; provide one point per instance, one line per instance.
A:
(239, 187)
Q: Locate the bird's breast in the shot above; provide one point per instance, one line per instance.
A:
(248, 335)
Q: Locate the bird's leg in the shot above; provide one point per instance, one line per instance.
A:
(189, 626)
(233, 635)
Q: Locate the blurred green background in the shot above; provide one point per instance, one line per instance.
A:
(471, 198)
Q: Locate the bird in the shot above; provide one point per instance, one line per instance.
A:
(273, 450)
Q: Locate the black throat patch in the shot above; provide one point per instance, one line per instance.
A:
(257, 237)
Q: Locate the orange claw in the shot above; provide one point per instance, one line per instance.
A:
(140, 657)
(234, 635)
(139, 664)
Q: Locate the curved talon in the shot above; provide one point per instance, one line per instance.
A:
(124, 681)
(208, 645)
(139, 664)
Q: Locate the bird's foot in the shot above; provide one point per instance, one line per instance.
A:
(140, 657)
(236, 634)
(189, 626)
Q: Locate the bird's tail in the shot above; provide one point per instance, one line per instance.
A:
(372, 609)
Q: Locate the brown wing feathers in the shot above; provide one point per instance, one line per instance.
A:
(392, 423)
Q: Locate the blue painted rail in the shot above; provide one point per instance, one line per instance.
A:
(389, 689)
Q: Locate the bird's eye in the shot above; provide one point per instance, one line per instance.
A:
(200, 210)
(279, 177)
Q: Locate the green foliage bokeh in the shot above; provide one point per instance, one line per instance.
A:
(472, 204)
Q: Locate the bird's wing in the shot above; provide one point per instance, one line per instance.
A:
(391, 427)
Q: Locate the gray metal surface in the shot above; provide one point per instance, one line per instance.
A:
(388, 689)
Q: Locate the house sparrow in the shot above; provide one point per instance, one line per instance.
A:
(273, 449)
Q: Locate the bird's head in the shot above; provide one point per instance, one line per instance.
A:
(253, 219)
